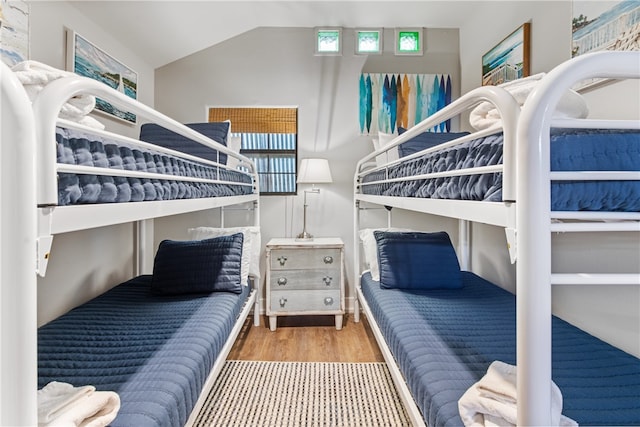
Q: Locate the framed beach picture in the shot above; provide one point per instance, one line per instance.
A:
(88, 60)
(597, 26)
(509, 59)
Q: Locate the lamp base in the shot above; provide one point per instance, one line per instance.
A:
(304, 236)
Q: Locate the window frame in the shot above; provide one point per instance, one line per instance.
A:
(268, 122)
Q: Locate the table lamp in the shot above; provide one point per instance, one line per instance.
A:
(312, 171)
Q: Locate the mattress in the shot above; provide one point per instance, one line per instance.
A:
(571, 150)
(444, 341)
(77, 147)
(154, 351)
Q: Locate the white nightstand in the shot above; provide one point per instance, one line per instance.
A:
(305, 278)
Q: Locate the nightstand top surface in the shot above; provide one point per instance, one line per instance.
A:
(316, 241)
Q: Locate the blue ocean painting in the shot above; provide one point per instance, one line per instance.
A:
(89, 61)
(401, 100)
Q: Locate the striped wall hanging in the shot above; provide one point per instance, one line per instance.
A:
(391, 100)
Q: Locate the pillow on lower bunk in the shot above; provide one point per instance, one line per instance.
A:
(371, 249)
(198, 266)
(417, 261)
(425, 140)
(250, 247)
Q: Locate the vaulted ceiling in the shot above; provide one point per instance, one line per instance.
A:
(165, 31)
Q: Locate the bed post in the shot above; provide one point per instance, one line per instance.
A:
(257, 282)
(18, 284)
(464, 244)
(356, 260)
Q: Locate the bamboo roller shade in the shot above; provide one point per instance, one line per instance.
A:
(257, 120)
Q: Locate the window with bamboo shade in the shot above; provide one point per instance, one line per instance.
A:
(269, 138)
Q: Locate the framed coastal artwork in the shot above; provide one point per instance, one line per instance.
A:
(389, 101)
(509, 59)
(14, 31)
(597, 26)
(86, 59)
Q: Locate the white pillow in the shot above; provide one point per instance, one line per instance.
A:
(233, 143)
(371, 249)
(250, 246)
(383, 140)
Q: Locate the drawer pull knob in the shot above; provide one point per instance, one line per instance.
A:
(282, 281)
(328, 259)
(327, 280)
(283, 301)
(282, 260)
(328, 301)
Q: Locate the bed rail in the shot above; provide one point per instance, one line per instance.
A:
(504, 103)
(18, 360)
(534, 277)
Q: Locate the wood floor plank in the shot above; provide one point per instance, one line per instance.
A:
(307, 339)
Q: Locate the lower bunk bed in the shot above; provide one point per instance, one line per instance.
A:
(159, 353)
(443, 341)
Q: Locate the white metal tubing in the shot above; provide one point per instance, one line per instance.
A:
(579, 227)
(595, 176)
(533, 218)
(18, 314)
(47, 106)
(356, 260)
(595, 279)
(464, 244)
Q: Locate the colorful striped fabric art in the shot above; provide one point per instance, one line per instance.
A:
(388, 101)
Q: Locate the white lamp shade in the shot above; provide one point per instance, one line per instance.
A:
(314, 171)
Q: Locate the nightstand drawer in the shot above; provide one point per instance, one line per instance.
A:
(291, 259)
(296, 301)
(328, 279)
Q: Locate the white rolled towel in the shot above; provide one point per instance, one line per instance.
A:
(62, 404)
(35, 75)
(570, 105)
(492, 401)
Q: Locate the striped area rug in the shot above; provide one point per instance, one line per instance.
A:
(251, 393)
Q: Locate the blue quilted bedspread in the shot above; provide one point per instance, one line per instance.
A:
(444, 341)
(81, 148)
(154, 351)
(571, 150)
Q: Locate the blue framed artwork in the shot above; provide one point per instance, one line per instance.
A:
(391, 100)
(86, 59)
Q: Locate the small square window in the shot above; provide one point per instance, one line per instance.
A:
(409, 41)
(368, 42)
(328, 41)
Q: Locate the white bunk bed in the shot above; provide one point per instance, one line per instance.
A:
(524, 211)
(35, 217)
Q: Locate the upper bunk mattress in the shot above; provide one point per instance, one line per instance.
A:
(444, 341)
(571, 150)
(154, 351)
(83, 148)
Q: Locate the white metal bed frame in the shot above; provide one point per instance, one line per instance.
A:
(525, 214)
(28, 155)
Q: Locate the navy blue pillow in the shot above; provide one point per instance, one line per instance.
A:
(413, 260)
(425, 140)
(198, 266)
(218, 131)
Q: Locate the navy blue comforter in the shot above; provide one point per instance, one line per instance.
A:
(444, 341)
(571, 150)
(154, 351)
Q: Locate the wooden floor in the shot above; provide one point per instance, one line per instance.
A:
(307, 339)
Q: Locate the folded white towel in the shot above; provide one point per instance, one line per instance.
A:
(485, 115)
(62, 404)
(35, 75)
(492, 401)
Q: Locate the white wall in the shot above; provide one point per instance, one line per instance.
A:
(84, 264)
(276, 66)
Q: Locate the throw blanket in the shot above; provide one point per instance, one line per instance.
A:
(492, 400)
(34, 76)
(61, 404)
(571, 104)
